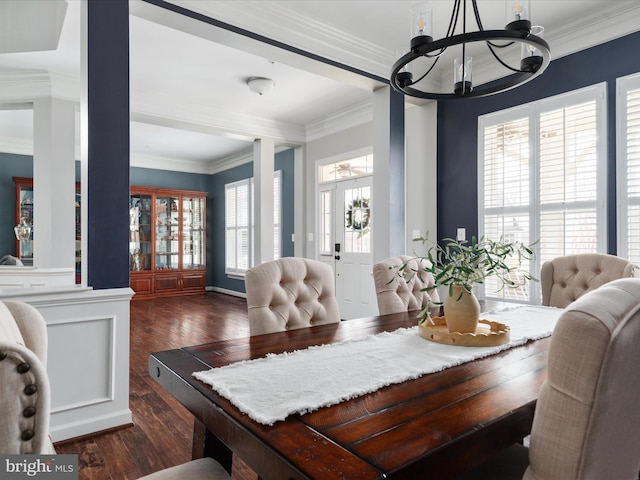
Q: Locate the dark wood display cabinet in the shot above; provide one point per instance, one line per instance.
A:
(167, 249)
(24, 215)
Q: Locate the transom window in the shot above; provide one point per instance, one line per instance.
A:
(353, 167)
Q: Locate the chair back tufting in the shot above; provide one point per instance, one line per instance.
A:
(564, 279)
(290, 293)
(24, 396)
(411, 290)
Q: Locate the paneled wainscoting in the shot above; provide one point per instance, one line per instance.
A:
(162, 429)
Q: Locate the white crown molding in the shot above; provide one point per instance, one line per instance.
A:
(621, 19)
(141, 160)
(238, 159)
(339, 121)
(24, 85)
(217, 121)
(230, 162)
(285, 25)
(17, 146)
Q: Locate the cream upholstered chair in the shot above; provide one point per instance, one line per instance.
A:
(289, 293)
(412, 290)
(564, 279)
(586, 420)
(25, 396)
(200, 469)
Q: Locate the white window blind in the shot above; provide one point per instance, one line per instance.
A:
(628, 166)
(542, 171)
(237, 241)
(239, 221)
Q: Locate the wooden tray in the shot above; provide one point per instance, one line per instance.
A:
(488, 334)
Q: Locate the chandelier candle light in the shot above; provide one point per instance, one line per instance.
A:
(534, 53)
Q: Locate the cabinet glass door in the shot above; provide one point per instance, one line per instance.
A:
(140, 232)
(25, 245)
(193, 232)
(167, 233)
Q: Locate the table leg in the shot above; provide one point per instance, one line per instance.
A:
(205, 444)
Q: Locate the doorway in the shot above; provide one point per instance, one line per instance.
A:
(345, 240)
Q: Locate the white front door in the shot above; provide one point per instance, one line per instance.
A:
(353, 260)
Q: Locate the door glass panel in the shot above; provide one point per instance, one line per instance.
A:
(192, 233)
(167, 233)
(357, 220)
(140, 232)
(325, 222)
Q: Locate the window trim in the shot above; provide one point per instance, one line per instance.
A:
(623, 85)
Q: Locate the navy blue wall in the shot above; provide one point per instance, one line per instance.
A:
(458, 128)
(284, 161)
(10, 166)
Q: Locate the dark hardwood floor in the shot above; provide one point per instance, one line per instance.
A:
(161, 433)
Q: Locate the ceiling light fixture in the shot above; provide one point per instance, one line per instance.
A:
(261, 85)
(534, 54)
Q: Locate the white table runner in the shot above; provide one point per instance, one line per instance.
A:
(271, 388)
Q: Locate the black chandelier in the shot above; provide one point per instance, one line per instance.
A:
(535, 54)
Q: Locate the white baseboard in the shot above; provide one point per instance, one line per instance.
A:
(227, 292)
(91, 425)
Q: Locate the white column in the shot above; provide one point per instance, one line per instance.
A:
(300, 172)
(381, 185)
(263, 164)
(54, 183)
(422, 174)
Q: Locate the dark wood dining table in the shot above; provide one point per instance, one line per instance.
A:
(437, 426)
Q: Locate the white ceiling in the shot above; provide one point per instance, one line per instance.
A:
(191, 109)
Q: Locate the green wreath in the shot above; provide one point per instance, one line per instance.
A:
(357, 214)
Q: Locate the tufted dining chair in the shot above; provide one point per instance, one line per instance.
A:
(25, 395)
(585, 425)
(566, 278)
(289, 293)
(411, 290)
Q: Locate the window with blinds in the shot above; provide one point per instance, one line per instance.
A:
(542, 179)
(239, 224)
(237, 237)
(628, 166)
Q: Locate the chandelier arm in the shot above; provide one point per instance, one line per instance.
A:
(476, 13)
(453, 22)
(501, 46)
(428, 71)
(508, 67)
